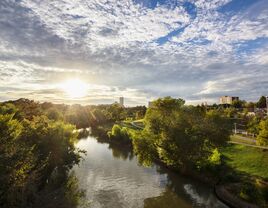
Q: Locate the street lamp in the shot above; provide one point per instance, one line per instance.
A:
(267, 105)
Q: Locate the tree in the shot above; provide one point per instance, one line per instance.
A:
(250, 105)
(33, 153)
(54, 114)
(172, 129)
(262, 138)
(238, 103)
(230, 112)
(262, 102)
(17, 161)
(119, 134)
(253, 125)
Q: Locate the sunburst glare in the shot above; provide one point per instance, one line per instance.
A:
(75, 88)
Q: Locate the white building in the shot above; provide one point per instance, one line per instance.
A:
(228, 99)
(150, 104)
(121, 101)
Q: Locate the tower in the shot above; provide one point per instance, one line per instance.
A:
(121, 101)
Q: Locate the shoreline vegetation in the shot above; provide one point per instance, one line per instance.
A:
(238, 173)
(163, 134)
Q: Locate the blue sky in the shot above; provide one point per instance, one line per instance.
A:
(140, 49)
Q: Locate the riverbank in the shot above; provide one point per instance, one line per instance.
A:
(112, 177)
(241, 167)
(224, 193)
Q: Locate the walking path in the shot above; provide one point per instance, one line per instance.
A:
(133, 124)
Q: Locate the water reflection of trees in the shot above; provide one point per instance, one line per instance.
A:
(61, 192)
(122, 152)
(167, 199)
(181, 192)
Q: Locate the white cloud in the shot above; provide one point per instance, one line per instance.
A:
(165, 50)
(100, 24)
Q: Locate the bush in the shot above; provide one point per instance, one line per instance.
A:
(215, 158)
(119, 134)
(262, 138)
(30, 151)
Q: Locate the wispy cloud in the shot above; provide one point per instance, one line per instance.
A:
(193, 49)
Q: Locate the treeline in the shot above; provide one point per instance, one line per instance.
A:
(78, 115)
(253, 124)
(242, 104)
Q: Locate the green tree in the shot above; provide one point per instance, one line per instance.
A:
(262, 102)
(171, 129)
(230, 112)
(54, 114)
(253, 125)
(262, 138)
(238, 103)
(17, 162)
(119, 134)
(32, 153)
(250, 105)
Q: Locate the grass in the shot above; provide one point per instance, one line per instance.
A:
(249, 160)
(237, 138)
(136, 124)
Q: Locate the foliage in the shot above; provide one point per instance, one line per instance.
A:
(119, 134)
(31, 151)
(54, 114)
(253, 125)
(230, 112)
(262, 102)
(249, 192)
(262, 138)
(171, 129)
(215, 157)
(238, 103)
(78, 115)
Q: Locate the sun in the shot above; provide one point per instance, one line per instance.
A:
(74, 88)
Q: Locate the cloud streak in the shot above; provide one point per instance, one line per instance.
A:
(197, 50)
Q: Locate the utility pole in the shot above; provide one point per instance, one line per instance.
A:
(267, 105)
(235, 128)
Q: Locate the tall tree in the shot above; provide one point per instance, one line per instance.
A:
(262, 102)
(262, 138)
(172, 129)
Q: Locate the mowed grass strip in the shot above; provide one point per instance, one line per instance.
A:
(249, 160)
(237, 138)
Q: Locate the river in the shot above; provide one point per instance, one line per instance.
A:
(113, 178)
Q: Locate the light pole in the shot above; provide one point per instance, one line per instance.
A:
(267, 105)
(235, 128)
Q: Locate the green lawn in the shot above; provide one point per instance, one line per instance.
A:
(237, 138)
(249, 160)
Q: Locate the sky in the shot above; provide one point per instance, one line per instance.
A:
(197, 50)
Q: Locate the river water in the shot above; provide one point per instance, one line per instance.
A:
(113, 178)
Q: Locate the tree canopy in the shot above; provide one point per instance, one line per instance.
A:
(34, 150)
(173, 129)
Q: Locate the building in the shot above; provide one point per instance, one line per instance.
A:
(228, 100)
(121, 101)
(150, 104)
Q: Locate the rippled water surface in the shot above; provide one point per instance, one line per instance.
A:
(113, 178)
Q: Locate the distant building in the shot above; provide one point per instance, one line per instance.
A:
(121, 101)
(204, 104)
(228, 100)
(150, 104)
